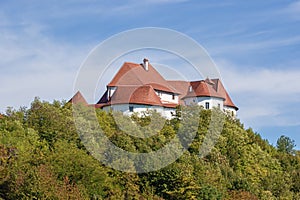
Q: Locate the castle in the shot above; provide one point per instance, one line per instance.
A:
(139, 87)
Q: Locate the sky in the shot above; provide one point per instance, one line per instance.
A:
(255, 45)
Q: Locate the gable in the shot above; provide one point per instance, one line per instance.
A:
(78, 98)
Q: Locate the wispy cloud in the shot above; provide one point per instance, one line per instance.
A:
(42, 45)
(258, 45)
(81, 8)
(272, 81)
(264, 96)
(34, 65)
(293, 9)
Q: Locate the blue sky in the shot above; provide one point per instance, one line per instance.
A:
(255, 44)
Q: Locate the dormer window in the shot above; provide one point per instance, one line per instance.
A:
(109, 93)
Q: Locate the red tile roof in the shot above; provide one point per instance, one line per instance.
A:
(137, 85)
(203, 88)
(78, 98)
(165, 88)
(132, 74)
(182, 87)
(135, 95)
(122, 94)
(144, 95)
(170, 105)
(222, 90)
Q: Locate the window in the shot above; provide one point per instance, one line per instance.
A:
(130, 108)
(219, 105)
(109, 93)
(190, 89)
(173, 96)
(206, 105)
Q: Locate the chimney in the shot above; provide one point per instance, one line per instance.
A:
(146, 64)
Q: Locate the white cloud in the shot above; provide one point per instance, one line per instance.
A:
(254, 45)
(273, 82)
(20, 89)
(264, 96)
(34, 65)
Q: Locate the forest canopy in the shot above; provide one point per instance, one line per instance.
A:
(42, 156)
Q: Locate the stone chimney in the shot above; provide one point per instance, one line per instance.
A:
(146, 64)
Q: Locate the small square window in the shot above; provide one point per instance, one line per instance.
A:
(130, 108)
(206, 105)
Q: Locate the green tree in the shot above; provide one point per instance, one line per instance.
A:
(285, 145)
(41, 157)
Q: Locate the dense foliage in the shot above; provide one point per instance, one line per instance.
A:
(42, 157)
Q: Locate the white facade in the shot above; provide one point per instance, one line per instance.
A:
(129, 109)
(230, 110)
(167, 97)
(213, 102)
(206, 102)
(209, 103)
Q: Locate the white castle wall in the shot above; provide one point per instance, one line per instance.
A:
(138, 108)
(168, 97)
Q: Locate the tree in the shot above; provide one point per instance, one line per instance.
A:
(285, 145)
(43, 157)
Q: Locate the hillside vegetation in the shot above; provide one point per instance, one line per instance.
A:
(42, 157)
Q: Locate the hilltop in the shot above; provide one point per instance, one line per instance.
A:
(42, 157)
